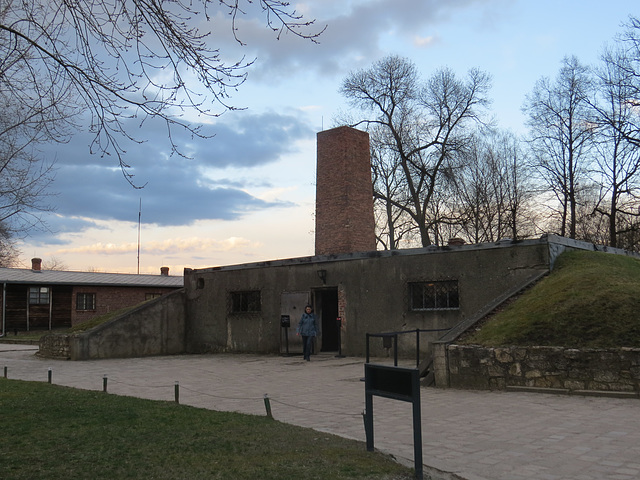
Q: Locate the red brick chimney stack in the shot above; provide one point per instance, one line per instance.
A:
(344, 194)
(164, 271)
(36, 264)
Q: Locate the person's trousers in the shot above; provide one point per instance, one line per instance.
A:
(307, 345)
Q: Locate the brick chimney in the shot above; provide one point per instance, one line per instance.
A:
(344, 194)
(36, 264)
(164, 271)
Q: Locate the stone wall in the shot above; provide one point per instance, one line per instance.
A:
(568, 369)
(54, 346)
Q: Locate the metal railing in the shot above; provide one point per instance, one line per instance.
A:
(390, 339)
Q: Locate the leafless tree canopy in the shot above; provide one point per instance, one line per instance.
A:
(111, 60)
(419, 129)
(561, 134)
(616, 166)
(122, 59)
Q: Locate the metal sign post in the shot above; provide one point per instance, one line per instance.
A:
(397, 383)
(285, 323)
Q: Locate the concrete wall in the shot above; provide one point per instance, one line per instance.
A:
(372, 290)
(155, 328)
(110, 299)
(475, 367)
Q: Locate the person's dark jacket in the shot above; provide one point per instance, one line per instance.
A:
(308, 325)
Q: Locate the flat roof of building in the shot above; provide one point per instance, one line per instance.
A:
(60, 277)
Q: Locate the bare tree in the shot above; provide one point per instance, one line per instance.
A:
(116, 60)
(394, 226)
(420, 126)
(493, 192)
(629, 44)
(561, 131)
(66, 63)
(8, 252)
(24, 178)
(617, 160)
(54, 263)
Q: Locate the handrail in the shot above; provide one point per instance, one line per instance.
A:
(394, 336)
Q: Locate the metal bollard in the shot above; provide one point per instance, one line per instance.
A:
(177, 392)
(104, 384)
(49, 375)
(267, 405)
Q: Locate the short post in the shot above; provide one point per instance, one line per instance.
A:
(417, 348)
(395, 350)
(104, 384)
(267, 405)
(49, 375)
(367, 349)
(177, 391)
(339, 323)
(5, 371)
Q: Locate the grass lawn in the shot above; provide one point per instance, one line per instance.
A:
(54, 432)
(590, 300)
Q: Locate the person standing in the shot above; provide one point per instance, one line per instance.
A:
(308, 328)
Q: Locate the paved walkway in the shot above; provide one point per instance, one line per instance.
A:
(466, 434)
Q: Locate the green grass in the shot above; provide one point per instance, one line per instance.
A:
(590, 300)
(54, 432)
(95, 321)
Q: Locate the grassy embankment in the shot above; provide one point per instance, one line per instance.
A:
(590, 300)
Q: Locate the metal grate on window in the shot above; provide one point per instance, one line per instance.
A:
(437, 295)
(245, 302)
(86, 301)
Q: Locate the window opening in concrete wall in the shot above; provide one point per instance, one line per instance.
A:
(38, 295)
(437, 295)
(245, 302)
(86, 301)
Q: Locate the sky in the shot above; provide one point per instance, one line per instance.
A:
(247, 194)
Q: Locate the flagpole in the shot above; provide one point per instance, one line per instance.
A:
(139, 217)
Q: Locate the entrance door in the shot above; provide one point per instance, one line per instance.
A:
(292, 305)
(327, 309)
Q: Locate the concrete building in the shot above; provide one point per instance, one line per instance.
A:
(354, 289)
(240, 308)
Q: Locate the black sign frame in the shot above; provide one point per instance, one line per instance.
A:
(397, 383)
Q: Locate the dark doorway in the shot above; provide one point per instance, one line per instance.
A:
(327, 309)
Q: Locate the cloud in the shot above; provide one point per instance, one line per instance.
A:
(178, 190)
(355, 34)
(424, 41)
(172, 246)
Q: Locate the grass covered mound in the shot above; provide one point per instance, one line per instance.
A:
(590, 300)
(55, 432)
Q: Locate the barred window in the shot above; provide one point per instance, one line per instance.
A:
(441, 295)
(86, 301)
(38, 295)
(242, 302)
